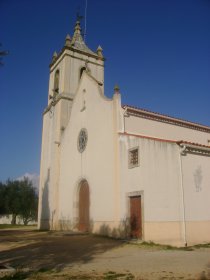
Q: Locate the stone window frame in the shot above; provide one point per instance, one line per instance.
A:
(131, 164)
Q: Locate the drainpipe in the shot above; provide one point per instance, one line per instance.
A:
(182, 153)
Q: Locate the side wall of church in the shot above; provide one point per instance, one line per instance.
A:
(137, 125)
(157, 179)
(196, 185)
(174, 191)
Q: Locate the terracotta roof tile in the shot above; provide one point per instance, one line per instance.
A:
(192, 143)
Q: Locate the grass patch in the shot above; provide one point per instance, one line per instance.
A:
(38, 275)
(9, 226)
(80, 277)
(111, 275)
(5, 226)
(44, 269)
(16, 276)
(157, 246)
(199, 246)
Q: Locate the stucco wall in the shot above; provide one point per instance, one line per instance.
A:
(196, 184)
(55, 120)
(157, 179)
(44, 186)
(69, 65)
(159, 129)
(95, 164)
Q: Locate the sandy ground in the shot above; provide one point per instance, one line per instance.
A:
(68, 254)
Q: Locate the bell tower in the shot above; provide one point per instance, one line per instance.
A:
(74, 57)
(66, 70)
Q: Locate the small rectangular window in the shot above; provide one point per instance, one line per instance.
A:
(133, 157)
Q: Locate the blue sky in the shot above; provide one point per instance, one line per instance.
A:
(156, 50)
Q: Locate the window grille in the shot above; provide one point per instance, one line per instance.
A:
(133, 157)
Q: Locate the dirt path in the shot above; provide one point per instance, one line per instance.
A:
(69, 254)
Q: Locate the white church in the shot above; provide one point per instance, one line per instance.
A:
(115, 169)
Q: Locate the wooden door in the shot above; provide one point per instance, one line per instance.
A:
(135, 217)
(84, 205)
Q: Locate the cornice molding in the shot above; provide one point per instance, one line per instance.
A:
(55, 63)
(186, 147)
(75, 51)
(194, 148)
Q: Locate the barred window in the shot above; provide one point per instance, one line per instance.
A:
(133, 157)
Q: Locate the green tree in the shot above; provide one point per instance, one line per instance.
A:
(3, 209)
(28, 201)
(12, 199)
(21, 200)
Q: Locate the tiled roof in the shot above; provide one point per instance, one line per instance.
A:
(192, 144)
(164, 118)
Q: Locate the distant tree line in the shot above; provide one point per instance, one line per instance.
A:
(19, 199)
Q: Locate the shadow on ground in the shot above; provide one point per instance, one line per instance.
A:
(36, 250)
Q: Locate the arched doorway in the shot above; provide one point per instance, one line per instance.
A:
(84, 206)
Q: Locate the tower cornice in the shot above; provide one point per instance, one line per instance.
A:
(71, 53)
(75, 51)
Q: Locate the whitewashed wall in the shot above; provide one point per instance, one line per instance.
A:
(97, 164)
(157, 178)
(196, 184)
(163, 130)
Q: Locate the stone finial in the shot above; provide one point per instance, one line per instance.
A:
(77, 28)
(116, 89)
(54, 56)
(68, 41)
(99, 51)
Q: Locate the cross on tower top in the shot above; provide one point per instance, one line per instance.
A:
(79, 17)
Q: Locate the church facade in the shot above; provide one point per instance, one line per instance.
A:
(115, 169)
